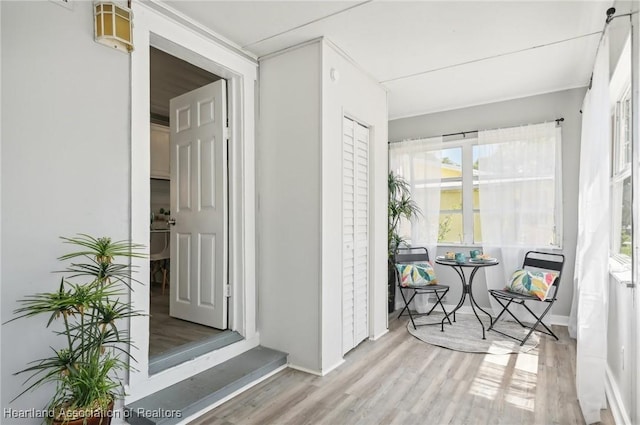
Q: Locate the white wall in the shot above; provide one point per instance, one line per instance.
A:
(620, 366)
(300, 200)
(529, 110)
(289, 202)
(360, 97)
(65, 133)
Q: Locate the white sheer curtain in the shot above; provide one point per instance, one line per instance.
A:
(588, 319)
(518, 179)
(419, 163)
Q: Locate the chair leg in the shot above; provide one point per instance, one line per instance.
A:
(538, 322)
(165, 276)
(406, 307)
(504, 308)
(406, 303)
(439, 301)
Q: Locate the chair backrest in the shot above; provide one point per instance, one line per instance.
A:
(416, 254)
(412, 254)
(545, 261)
(159, 246)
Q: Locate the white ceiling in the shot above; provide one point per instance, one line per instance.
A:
(430, 55)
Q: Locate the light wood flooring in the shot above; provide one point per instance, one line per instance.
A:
(401, 380)
(166, 332)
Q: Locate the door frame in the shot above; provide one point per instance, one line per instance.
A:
(162, 28)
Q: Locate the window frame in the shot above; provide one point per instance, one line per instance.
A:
(466, 155)
(620, 171)
(619, 91)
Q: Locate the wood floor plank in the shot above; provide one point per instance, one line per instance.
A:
(403, 381)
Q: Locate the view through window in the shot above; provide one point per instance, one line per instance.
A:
(460, 182)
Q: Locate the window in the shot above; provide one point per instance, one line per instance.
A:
(621, 179)
(459, 200)
(451, 227)
(517, 170)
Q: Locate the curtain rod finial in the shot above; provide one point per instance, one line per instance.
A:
(610, 12)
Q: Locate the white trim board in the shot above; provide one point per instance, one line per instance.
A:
(619, 412)
(156, 29)
(164, 9)
(315, 372)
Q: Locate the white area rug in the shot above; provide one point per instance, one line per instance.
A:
(465, 334)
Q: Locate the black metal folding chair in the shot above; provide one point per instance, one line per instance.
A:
(415, 255)
(533, 260)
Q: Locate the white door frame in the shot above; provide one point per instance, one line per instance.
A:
(160, 27)
(635, 210)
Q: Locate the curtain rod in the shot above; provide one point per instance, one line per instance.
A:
(611, 15)
(464, 133)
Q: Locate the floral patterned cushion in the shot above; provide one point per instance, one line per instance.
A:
(416, 274)
(530, 282)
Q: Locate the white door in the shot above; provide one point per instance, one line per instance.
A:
(198, 205)
(355, 234)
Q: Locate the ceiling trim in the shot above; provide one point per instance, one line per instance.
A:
(313, 21)
(290, 48)
(161, 7)
(416, 74)
(498, 100)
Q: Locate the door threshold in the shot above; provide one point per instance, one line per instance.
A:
(189, 398)
(190, 351)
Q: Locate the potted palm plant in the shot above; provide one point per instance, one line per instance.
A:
(93, 350)
(400, 206)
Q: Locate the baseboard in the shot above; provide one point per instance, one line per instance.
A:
(620, 414)
(315, 372)
(380, 335)
(305, 370)
(559, 320)
(335, 366)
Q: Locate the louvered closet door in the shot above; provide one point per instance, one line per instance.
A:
(355, 234)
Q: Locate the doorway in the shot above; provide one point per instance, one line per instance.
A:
(154, 29)
(178, 318)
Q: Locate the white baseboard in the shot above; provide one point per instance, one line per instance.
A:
(618, 410)
(380, 335)
(305, 370)
(335, 366)
(559, 320)
(316, 372)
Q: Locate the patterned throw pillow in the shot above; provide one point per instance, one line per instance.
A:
(528, 282)
(416, 274)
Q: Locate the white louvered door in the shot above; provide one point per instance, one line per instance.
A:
(355, 234)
